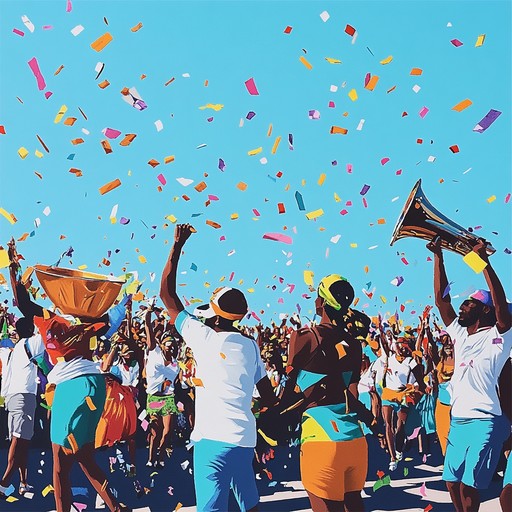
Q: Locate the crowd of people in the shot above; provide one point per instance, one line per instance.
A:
(148, 375)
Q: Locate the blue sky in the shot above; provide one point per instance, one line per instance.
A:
(227, 43)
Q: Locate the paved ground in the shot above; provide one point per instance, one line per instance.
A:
(413, 487)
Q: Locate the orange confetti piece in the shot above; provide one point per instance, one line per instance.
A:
(59, 69)
(169, 159)
(70, 121)
(242, 186)
(213, 224)
(128, 139)
(305, 62)
(201, 186)
(381, 221)
(105, 144)
(462, 105)
(334, 426)
(23, 237)
(341, 350)
(197, 382)
(169, 81)
(90, 403)
(101, 42)
(222, 355)
(416, 71)
(338, 129)
(370, 86)
(104, 84)
(77, 141)
(108, 187)
(76, 172)
(153, 162)
(137, 27)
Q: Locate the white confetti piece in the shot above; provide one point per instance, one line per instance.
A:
(75, 31)
(324, 16)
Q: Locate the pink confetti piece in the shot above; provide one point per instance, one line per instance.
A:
(384, 161)
(507, 199)
(18, 32)
(111, 133)
(80, 506)
(348, 203)
(423, 112)
(399, 172)
(251, 87)
(365, 203)
(349, 168)
(256, 212)
(255, 316)
(278, 237)
(69, 6)
(331, 104)
(404, 261)
(456, 43)
(343, 212)
(47, 27)
(34, 66)
(47, 94)
(423, 490)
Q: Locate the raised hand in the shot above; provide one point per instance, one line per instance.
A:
(435, 246)
(182, 233)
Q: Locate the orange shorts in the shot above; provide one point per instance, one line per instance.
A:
(330, 469)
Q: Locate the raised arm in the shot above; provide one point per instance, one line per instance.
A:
(23, 300)
(150, 335)
(503, 316)
(168, 292)
(443, 300)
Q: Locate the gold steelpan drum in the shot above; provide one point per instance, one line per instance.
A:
(420, 219)
(78, 293)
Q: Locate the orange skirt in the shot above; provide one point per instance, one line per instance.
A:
(442, 424)
(119, 419)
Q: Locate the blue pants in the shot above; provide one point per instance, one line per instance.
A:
(219, 467)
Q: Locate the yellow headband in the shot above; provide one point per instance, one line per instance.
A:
(324, 292)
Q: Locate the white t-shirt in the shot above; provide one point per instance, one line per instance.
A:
(67, 370)
(229, 365)
(479, 359)
(19, 374)
(129, 377)
(157, 372)
(399, 374)
(372, 376)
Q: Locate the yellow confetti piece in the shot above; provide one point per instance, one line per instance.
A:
(270, 441)
(171, 218)
(308, 277)
(22, 152)
(474, 262)
(60, 114)
(305, 62)
(101, 42)
(113, 220)
(9, 216)
(38, 154)
(47, 490)
(332, 61)
(253, 152)
(337, 198)
(353, 245)
(480, 40)
(352, 95)
(222, 355)
(216, 106)
(142, 259)
(383, 299)
(93, 344)
(178, 506)
(250, 290)
(322, 179)
(4, 258)
(491, 199)
(269, 131)
(11, 499)
(276, 144)
(169, 159)
(462, 105)
(234, 216)
(314, 214)
(387, 60)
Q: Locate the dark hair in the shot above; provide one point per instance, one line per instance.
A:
(25, 327)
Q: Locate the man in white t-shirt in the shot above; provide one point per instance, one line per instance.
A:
(19, 389)
(228, 367)
(482, 339)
